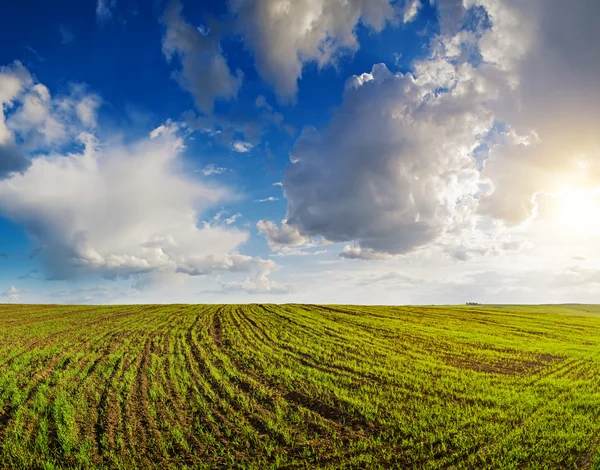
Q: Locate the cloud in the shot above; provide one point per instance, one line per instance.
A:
(14, 79)
(451, 14)
(119, 211)
(546, 54)
(231, 220)
(234, 262)
(284, 36)
(241, 147)
(12, 158)
(285, 239)
(257, 284)
(356, 252)
(204, 71)
(411, 8)
(399, 166)
(277, 237)
(477, 129)
(576, 276)
(11, 295)
(227, 221)
(212, 169)
(267, 199)
(392, 280)
(244, 120)
(390, 170)
(294, 251)
(104, 10)
(42, 122)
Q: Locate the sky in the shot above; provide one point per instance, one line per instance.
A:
(317, 151)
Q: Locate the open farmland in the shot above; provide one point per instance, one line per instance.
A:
(290, 386)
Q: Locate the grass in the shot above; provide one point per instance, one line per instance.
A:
(292, 386)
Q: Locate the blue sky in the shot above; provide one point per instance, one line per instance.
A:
(265, 150)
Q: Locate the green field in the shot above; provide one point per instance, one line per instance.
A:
(291, 386)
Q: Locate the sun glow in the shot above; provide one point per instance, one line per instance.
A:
(578, 209)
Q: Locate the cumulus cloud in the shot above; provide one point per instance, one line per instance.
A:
(119, 211)
(204, 71)
(278, 237)
(451, 14)
(390, 170)
(44, 122)
(14, 79)
(32, 120)
(286, 35)
(410, 160)
(550, 105)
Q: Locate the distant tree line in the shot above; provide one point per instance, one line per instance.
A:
(473, 303)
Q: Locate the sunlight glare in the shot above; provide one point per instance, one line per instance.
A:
(578, 210)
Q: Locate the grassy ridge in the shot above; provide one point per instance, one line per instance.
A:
(265, 386)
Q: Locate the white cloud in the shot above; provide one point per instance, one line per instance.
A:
(43, 122)
(396, 169)
(267, 199)
(451, 14)
(288, 241)
(35, 119)
(294, 251)
(257, 284)
(123, 210)
(278, 237)
(241, 147)
(204, 71)
(231, 220)
(11, 295)
(390, 169)
(576, 276)
(212, 169)
(411, 8)
(286, 35)
(219, 216)
(30, 115)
